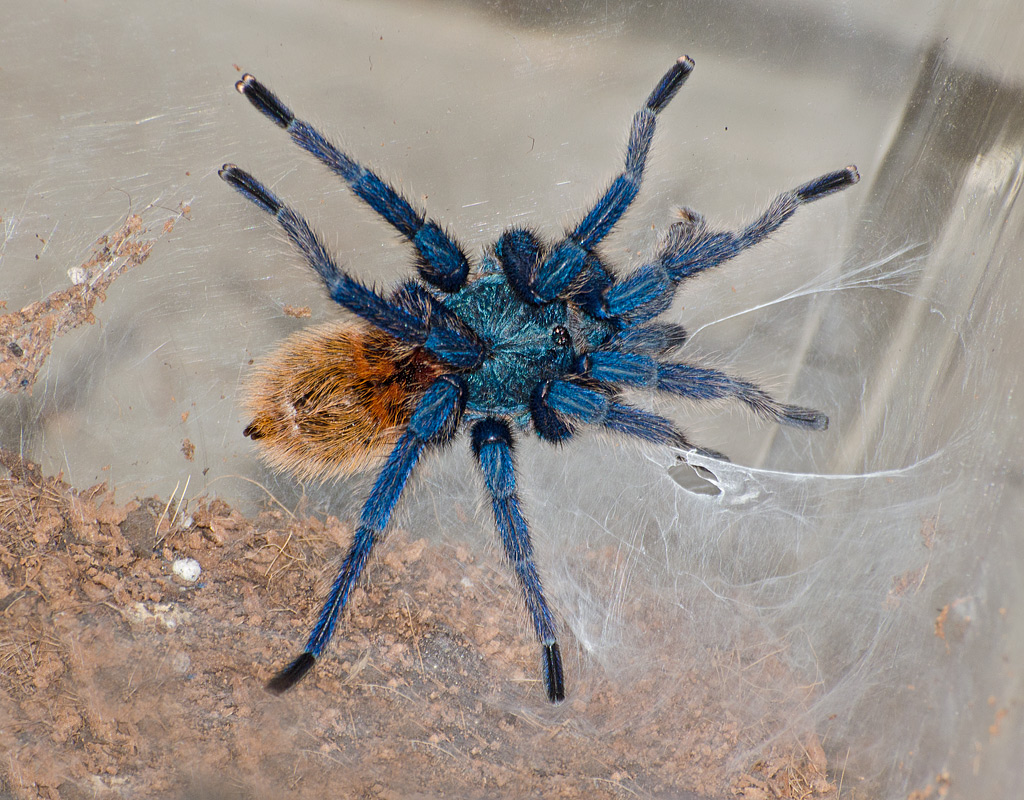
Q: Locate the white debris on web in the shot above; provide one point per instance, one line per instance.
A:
(77, 275)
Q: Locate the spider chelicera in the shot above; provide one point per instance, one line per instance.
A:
(538, 334)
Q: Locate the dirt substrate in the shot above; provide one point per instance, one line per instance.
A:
(121, 679)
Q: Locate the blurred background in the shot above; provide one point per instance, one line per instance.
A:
(880, 562)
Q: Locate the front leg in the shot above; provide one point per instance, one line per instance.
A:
(569, 256)
(441, 260)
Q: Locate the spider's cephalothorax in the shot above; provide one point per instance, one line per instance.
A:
(540, 335)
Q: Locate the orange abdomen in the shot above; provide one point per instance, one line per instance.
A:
(332, 399)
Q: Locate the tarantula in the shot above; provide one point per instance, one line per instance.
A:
(538, 334)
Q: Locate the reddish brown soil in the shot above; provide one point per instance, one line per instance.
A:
(120, 680)
(28, 335)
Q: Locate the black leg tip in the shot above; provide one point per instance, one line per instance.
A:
(806, 418)
(264, 100)
(292, 674)
(554, 681)
(244, 183)
(827, 184)
(231, 174)
(669, 84)
(245, 83)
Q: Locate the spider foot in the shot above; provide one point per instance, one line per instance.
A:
(292, 674)
(246, 185)
(827, 184)
(805, 418)
(265, 101)
(553, 680)
(669, 84)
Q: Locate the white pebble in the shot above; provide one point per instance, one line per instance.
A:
(77, 275)
(187, 569)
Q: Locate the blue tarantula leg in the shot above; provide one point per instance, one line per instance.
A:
(656, 339)
(778, 212)
(828, 184)
(695, 383)
(642, 295)
(568, 257)
(344, 289)
(457, 347)
(433, 422)
(709, 384)
(492, 446)
(549, 425)
(690, 247)
(450, 339)
(441, 262)
(519, 252)
(571, 402)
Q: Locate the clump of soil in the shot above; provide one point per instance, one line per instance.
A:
(120, 679)
(27, 336)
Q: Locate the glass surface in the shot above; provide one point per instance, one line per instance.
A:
(867, 579)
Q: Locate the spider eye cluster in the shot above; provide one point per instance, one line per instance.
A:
(560, 336)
